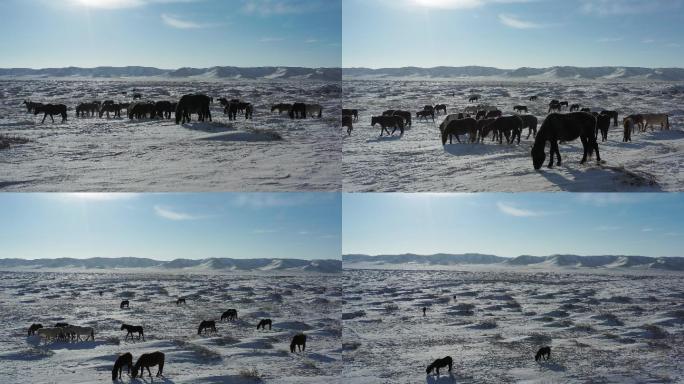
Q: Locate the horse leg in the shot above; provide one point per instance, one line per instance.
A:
(551, 154)
(585, 146)
(148, 371)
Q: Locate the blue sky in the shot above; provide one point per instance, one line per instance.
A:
(506, 224)
(169, 226)
(513, 33)
(170, 33)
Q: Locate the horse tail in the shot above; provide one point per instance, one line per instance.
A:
(114, 372)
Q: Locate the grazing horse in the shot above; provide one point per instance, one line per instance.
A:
(263, 323)
(439, 363)
(208, 325)
(554, 105)
(520, 108)
(351, 112)
(543, 351)
(229, 315)
(298, 341)
(505, 126)
(533, 98)
(473, 98)
(89, 332)
(656, 118)
(33, 328)
(529, 122)
(297, 111)
(193, 103)
(348, 121)
(137, 96)
(484, 128)
(147, 360)
(281, 107)
(493, 114)
(574, 107)
(51, 109)
(441, 107)
(123, 360)
(602, 125)
(181, 300)
(110, 107)
(142, 110)
(131, 329)
(163, 109)
(613, 115)
(87, 109)
(628, 128)
(396, 122)
(566, 127)
(424, 114)
(314, 110)
(480, 114)
(459, 127)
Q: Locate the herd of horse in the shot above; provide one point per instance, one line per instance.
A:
(543, 352)
(188, 105)
(67, 332)
(479, 122)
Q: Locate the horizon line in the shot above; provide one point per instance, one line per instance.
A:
(488, 254)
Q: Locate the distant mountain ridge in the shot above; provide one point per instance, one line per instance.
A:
(212, 264)
(563, 261)
(549, 73)
(253, 73)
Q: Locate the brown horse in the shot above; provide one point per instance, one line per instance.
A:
(396, 122)
(530, 122)
(298, 341)
(347, 121)
(351, 112)
(543, 351)
(441, 107)
(229, 315)
(439, 363)
(297, 111)
(602, 125)
(508, 126)
(565, 127)
(460, 127)
(148, 360)
(206, 325)
(125, 360)
(51, 109)
(628, 128)
(131, 329)
(613, 115)
(424, 114)
(33, 328)
(193, 103)
(263, 323)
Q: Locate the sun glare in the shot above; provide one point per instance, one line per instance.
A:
(109, 4)
(451, 4)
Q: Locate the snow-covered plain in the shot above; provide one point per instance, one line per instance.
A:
(602, 326)
(304, 302)
(417, 162)
(94, 154)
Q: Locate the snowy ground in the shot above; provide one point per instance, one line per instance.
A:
(602, 327)
(296, 303)
(93, 154)
(418, 162)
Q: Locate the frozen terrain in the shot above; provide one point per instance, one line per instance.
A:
(237, 353)
(602, 327)
(269, 153)
(418, 162)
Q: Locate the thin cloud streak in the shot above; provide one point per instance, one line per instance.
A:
(170, 214)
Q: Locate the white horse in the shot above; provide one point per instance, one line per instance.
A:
(314, 110)
(50, 333)
(656, 118)
(89, 332)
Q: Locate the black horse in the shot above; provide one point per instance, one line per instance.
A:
(530, 122)
(114, 108)
(613, 115)
(229, 315)
(563, 103)
(565, 127)
(180, 300)
(543, 351)
(483, 129)
(554, 106)
(125, 360)
(585, 110)
(441, 107)
(406, 115)
(51, 109)
(533, 98)
(143, 110)
(147, 360)
(33, 328)
(123, 304)
(396, 122)
(520, 108)
(263, 323)
(131, 329)
(460, 127)
(163, 109)
(348, 121)
(508, 126)
(602, 125)
(574, 107)
(493, 114)
(473, 98)
(480, 114)
(280, 107)
(193, 103)
(206, 325)
(351, 112)
(439, 363)
(299, 341)
(297, 111)
(424, 114)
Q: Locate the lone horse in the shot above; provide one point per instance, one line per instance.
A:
(543, 351)
(181, 300)
(125, 360)
(131, 329)
(439, 363)
(565, 127)
(263, 323)
(123, 304)
(148, 360)
(299, 341)
(206, 325)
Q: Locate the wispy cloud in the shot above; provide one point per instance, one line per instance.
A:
(518, 212)
(609, 39)
(517, 23)
(280, 7)
(673, 45)
(648, 41)
(270, 200)
(460, 4)
(626, 7)
(271, 39)
(171, 214)
(123, 4)
(647, 229)
(176, 22)
(311, 41)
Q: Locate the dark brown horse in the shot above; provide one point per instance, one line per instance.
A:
(163, 109)
(613, 115)
(263, 323)
(554, 106)
(574, 107)
(565, 127)
(206, 325)
(602, 125)
(298, 341)
(396, 122)
(441, 107)
(114, 108)
(297, 111)
(483, 129)
(125, 360)
(142, 110)
(180, 300)
(406, 115)
(131, 329)
(543, 351)
(351, 112)
(148, 360)
(520, 108)
(347, 121)
(439, 363)
(508, 126)
(424, 114)
(473, 98)
(460, 127)
(533, 98)
(281, 107)
(493, 114)
(124, 303)
(33, 328)
(193, 103)
(229, 315)
(530, 122)
(51, 109)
